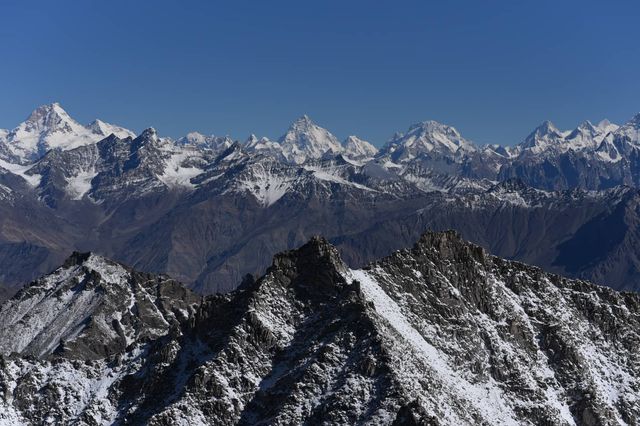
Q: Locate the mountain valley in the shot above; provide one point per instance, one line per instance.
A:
(207, 209)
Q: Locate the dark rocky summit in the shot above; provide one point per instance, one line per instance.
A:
(443, 333)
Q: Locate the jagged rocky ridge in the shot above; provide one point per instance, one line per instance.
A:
(91, 308)
(208, 209)
(443, 333)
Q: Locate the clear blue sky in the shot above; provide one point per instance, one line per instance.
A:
(493, 69)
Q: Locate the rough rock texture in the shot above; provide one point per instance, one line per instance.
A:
(443, 333)
(91, 308)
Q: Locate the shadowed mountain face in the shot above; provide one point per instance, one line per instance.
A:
(443, 333)
(208, 210)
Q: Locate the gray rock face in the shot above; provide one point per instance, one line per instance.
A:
(91, 308)
(443, 333)
(536, 336)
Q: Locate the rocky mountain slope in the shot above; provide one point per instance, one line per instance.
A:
(91, 308)
(443, 333)
(208, 209)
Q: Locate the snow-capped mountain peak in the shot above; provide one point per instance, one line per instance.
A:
(602, 128)
(303, 120)
(545, 130)
(358, 149)
(543, 138)
(263, 146)
(549, 140)
(434, 127)
(635, 121)
(428, 138)
(629, 132)
(51, 127)
(252, 139)
(606, 126)
(51, 117)
(255, 143)
(306, 140)
(104, 129)
(197, 139)
(586, 135)
(47, 127)
(149, 134)
(193, 138)
(546, 127)
(587, 126)
(47, 120)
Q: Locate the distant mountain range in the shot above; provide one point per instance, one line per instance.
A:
(592, 156)
(442, 333)
(210, 209)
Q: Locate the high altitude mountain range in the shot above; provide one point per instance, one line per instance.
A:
(209, 209)
(440, 334)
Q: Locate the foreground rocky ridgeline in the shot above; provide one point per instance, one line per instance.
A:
(442, 333)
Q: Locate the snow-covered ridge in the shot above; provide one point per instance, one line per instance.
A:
(486, 397)
(429, 137)
(442, 332)
(50, 127)
(103, 129)
(305, 140)
(547, 138)
(89, 299)
(495, 297)
(20, 170)
(358, 149)
(422, 156)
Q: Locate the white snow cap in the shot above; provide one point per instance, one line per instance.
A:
(51, 127)
(357, 148)
(101, 128)
(306, 140)
(428, 137)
